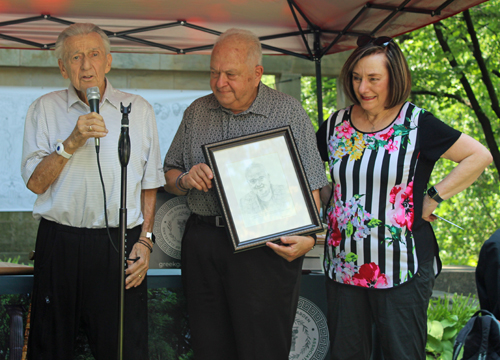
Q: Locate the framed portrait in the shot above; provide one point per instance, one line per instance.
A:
(262, 188)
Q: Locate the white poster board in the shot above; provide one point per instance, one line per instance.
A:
(169, 106)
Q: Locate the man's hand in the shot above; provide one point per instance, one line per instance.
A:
(137, 270)
(88, 126)
(200, 177)
(292, 247)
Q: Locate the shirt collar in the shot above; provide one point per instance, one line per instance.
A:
(110, 96)
(258, 106)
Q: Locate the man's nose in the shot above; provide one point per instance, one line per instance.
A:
(86, 63)
(221, 80)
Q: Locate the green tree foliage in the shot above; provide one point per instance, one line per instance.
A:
(439, 85)
(309, 99)
(168, 328)
(269, 80)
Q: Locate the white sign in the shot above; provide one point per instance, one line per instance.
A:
(169, 106)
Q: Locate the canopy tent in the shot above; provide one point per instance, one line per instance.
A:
(309, 29)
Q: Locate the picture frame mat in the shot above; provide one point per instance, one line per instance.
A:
(236, 161)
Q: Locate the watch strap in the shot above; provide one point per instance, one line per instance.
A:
(434, 194)
(148, 235)
(60, 151)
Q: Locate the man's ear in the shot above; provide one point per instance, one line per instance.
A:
(62, 68)
(259, 71)
(109, 60)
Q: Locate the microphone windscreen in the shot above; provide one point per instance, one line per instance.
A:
(93, 97)
(93, 93)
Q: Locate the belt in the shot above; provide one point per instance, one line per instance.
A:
(217, 221)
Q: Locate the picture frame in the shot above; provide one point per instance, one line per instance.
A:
(262, 188)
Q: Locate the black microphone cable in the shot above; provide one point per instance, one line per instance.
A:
(105, 204)
(93, 97)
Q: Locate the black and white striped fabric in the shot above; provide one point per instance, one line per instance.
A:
(376, 236)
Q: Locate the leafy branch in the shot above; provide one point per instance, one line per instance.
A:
(476, 107)
(458, 98)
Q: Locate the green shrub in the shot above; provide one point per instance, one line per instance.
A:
(11, 260)
(445, 318)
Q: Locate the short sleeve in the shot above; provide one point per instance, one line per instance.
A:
(153, 175)
(435, 136)
(321, 140)
(174, 157)
(36, 143)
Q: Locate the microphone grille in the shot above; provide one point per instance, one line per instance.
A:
(93, 93)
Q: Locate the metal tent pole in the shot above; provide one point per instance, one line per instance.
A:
(319, 83)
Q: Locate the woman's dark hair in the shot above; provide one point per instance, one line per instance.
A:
(397, 67)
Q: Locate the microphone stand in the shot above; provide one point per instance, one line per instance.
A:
(124, 155)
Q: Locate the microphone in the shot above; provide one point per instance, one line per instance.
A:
(93, 97)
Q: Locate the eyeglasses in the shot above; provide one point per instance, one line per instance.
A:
(364, 40)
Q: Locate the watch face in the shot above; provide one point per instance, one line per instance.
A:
(150, 236)
(432, 192)
(58, 148)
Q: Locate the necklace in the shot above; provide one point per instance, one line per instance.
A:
(381, 120)
(373, 125)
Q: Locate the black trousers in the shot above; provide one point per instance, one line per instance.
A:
(241, 306)
(399, 315)
(76, 283)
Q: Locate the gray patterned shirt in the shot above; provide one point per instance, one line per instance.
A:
(205, 121)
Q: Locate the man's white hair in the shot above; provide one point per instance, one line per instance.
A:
(253, 43)
(80, 29)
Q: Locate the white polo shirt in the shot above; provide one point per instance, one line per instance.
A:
(76, 198)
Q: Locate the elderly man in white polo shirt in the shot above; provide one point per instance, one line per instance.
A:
(76, 267)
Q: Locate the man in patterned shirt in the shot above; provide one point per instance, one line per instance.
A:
(241, 306)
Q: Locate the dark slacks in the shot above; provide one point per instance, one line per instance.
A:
(76, 283)
(399, 315)
(241, 306)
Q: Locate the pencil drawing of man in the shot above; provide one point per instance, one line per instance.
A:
(265, 201)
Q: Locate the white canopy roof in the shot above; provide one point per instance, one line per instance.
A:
(191, 26)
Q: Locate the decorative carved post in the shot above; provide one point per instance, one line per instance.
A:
(16, 331)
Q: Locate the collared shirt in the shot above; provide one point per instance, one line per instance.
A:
(205, 121)
(75, 198)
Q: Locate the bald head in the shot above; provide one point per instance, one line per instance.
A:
(235, 69)
(246, 42)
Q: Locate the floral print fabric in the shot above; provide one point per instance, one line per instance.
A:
(371, 213)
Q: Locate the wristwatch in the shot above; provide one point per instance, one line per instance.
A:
(60, 151)
(148, 235)
(434, 194)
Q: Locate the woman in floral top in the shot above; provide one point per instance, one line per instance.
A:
(381, 255)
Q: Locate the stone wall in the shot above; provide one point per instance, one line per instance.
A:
(457, 279)
(17, 235)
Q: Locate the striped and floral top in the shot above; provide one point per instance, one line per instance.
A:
(376, 235)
